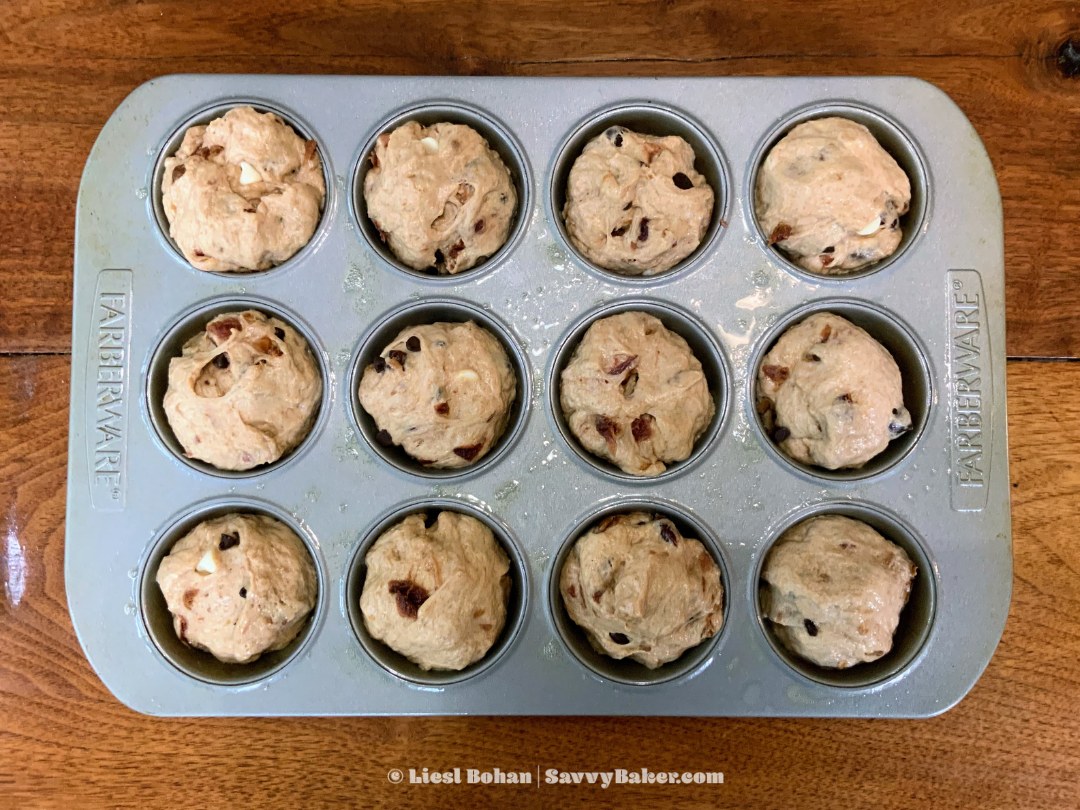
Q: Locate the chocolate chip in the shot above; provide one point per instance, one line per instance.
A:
(430, 519)
(227, 541)
(396, 354)
(811, 628)
(410, 597)
(627, 206)
(439, 257)
(442, 408)
(682, 181)
(895, 412)
(279, 332)
(178, 172)
(618, 638)
(844, 398)
(468, 453)
(479, 226)
(413, 344)
(812, 358)
(619, 231)
(781, 434)
(643, 230)
(896, 429)
(1068, 59)
(829, 249)
(243, 593)
(641, 427)
(781, 232)
(384, 438)
(668, 535)
(847, 546)
(221, 360)
(895, 225)
(379, 363)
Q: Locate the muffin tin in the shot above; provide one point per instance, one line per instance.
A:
(938, 304)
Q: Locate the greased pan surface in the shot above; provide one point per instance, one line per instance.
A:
(937, 305)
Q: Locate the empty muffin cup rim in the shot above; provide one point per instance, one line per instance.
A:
(204, 115)
(873, 469)
(506, 145)
(569, 149)
(178, 526)
(913, 544)
(858, 112)
(694, 660)
(380, 330)
(156, 370)
(722, 393)
(380, 653)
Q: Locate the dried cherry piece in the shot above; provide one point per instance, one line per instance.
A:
(410, 597)
(619, 638)
(668, 534)
(384, 438)
(221, 361)
(621, 362)
(468, 453)
(778, 374)
(781, 232)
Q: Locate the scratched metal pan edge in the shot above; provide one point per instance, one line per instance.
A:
(948, 491)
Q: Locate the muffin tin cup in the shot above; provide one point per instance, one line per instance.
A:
(627, 671)
(395, 663)
(427, 311)
(893, 139)
(498, 138)
(205, 116)
(915, 374)
(171, 343)
(936, 305)
(157, 622)
(917, 619)
(706, 350)
(647, 118)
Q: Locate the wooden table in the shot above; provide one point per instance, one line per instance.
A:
(1014, 741)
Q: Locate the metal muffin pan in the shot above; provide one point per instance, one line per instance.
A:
(938, 304)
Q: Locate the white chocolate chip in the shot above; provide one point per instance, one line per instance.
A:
(208, 563)
(249, 174)
(468, 375)
(871, 227)
(430, 144)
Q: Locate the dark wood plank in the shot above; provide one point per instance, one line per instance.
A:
(1013, 742)
(66, 65)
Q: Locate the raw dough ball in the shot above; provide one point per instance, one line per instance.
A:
(243, 192)
(831, 198)
(244, 393)
(835, 589)
(633, 393)
(437, 595)
(442, 391)
(238, 586)
(634, 203)
(831, 395)
(439, 196)
(639, 589)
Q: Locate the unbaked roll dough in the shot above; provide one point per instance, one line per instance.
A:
(245, 391)
(834, 589)
(437, 594)
(242, 193)
(439, 196)
(635, 204)
(634, 393)
(831, 198)
(442, 391)
(639, 589)
(831, 395)
(238, 586)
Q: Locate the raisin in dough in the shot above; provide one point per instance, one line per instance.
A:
(437, 594)
(633, 393)
(635, 204)
(245, 391)
(442, 391)
(834, 589)
(641, 590)
(439, 196)
(831, 198)
(830, 394)
(243, 192)
(238, 586)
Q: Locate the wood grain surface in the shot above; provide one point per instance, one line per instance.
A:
(66, 65)
(1013, 742)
